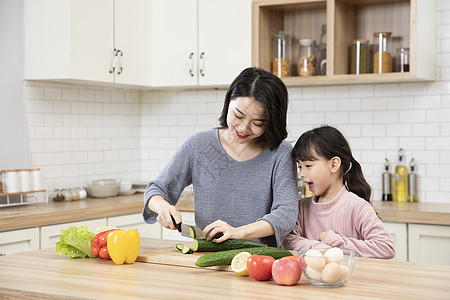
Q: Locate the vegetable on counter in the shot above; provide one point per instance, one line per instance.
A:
(202, 245)
(225, 257)
(75, 242)
(99, 244)
(123, 245)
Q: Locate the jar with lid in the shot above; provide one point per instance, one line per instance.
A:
(359, 63)
(82, 193)
(11, 182)
(281, 51)
(402, 60)
(75, 194)
(306, 62)
(382, 52)
(36, 179)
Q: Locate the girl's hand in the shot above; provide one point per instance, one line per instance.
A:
(219, 231)
(323, 236)
(165, 216)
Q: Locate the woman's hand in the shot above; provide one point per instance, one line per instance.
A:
(165, 212)
(220, 231)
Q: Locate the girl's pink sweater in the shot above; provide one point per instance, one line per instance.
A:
(352, 224)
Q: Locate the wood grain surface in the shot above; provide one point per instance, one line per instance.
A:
(43, 274)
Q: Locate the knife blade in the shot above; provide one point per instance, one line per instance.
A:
(186, 229)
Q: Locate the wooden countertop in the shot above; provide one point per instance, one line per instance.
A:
(42, 214)
(22, 276)
(418, 212)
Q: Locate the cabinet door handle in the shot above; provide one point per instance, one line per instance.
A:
(120, 61)
(191, 58)
(202, 59)
(114, 62)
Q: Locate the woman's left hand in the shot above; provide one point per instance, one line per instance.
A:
(220, 231)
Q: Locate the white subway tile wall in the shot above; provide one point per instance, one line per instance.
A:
(78, 132)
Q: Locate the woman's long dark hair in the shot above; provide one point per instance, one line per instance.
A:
(329, 142)
(271, 92)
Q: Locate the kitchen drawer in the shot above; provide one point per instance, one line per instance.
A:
(19, 240)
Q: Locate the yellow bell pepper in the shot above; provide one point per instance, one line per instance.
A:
(123, 245)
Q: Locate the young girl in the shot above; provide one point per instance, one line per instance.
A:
(243, 175)
(339, 214)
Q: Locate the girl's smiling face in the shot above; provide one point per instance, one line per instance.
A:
(246, 119)
(317, 174)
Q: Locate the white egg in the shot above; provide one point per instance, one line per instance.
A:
(313, 274)
(345, 272)
(331, 272)
(334, 254)
(314, 259)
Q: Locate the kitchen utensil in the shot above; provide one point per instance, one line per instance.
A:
(103, 188)
(185, 229)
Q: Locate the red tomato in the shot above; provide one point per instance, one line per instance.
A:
(95, 250)
(103, 253)
(102, 237)
(259, 267)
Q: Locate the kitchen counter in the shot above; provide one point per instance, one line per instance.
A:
(42, 214)
(22, 276)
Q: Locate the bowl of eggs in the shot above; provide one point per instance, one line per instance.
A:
(328, 267)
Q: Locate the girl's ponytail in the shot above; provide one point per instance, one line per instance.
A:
(355, 182)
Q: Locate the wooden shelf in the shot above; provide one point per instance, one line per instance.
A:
(412, 23)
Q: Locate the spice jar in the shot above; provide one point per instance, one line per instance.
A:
(402, 60)
(25, 180)
(306, 57)
(359, 57)
(281, 62)
(382, 56)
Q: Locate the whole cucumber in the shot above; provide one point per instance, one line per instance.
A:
(202, 245)
(225, 257)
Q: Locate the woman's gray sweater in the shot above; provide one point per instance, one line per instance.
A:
(239, 193)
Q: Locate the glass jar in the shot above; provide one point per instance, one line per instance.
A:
(323, 52)
(75, 194)
(281, 62)
(359, 63)
(82, 192)
(402, 60)
(56, 195)
(382, 52)
(306, 62)
(67, 193)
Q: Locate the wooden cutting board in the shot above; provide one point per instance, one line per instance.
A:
(172, 256)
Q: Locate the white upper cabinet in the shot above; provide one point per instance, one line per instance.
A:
(200, 42)
(97, 41)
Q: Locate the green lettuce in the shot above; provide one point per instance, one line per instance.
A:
(75, 242)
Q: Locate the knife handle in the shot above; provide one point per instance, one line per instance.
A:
(177, 226)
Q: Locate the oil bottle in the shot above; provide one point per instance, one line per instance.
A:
(412, 183)
(386, 181)
(401, 179)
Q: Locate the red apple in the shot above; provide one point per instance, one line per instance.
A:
(286, 271)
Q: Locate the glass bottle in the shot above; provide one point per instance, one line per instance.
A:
(402, 60)
(281, 62)
(359, 57)
(412, 183)
(386, 182)
(322, 70)
(401, 178)
(382, 53)
(306, 62)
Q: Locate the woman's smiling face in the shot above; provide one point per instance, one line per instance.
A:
(246, 119)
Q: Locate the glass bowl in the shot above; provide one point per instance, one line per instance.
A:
(328, 267)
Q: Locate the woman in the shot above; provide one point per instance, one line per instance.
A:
(243, 176)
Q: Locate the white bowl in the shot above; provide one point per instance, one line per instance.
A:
(125, 186)
(103, 188)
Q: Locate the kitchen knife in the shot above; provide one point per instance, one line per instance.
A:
(186, 230)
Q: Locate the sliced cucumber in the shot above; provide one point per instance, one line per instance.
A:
(179, 246)
(186, 250)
